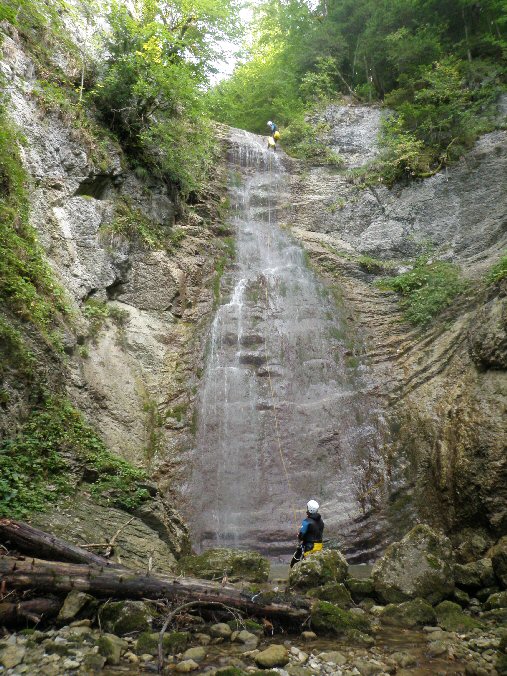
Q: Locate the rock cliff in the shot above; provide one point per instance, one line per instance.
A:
(137, 267)
(445, 385)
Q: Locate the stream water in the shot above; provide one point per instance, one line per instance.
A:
(285, 413)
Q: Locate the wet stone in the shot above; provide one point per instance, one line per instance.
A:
(186, 666)
(11, 656)
(221, 630)
(274, 656)
(197, 654)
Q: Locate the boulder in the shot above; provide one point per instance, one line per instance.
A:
(186, 666)
(274, 656)
(237, 565)
(319, 569)
(172, 643)
(220, 630)
(471, 544)
(111, 647)
(474, 575)
(415, 613)
(498, 600)
(198, 654)
(334, 592)
(360, 589)
(122, 617)
(498, 556)
(420, 565)
(328, 619)
(74, 602)
(451, 617)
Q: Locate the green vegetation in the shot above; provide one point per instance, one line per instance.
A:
(439, 66)
(150, 90)
(27, 285)
(498, 271)
(428, 288)
(301, 140)
(98, 311)
(47, 458)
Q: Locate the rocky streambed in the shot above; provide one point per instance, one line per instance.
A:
(419, 612)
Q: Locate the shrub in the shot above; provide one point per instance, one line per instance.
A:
(41, 463)
(498, 271)
(427, 289)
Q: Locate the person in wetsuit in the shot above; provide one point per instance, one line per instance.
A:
(310, 534)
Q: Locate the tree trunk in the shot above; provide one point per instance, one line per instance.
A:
(33, 611)
(123, 583)
(36, 542)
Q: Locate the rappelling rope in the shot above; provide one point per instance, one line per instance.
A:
(272, 390)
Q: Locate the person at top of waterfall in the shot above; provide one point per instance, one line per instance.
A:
(273, 128)
(312, 529)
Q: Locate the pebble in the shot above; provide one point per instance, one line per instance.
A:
(186, 666)
(133, 659)
(70, 664)
(308, 635)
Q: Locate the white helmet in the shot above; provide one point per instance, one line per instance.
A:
(312, 507)
(269, 123)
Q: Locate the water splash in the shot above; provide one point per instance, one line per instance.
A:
(281, 415)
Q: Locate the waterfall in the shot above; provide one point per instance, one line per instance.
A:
(282, 415)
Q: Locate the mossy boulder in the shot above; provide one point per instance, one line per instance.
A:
(111, 647)
(498, 600)
(419, 566)
(360, 588)
(236, 564)
(334, 592)
(474, 575)
(319, 569)
(415, 613)
(274, 656)
(471, 544)
(498, 556)
(451, 617)
(123, 617)
(330, 620)
(173, 642)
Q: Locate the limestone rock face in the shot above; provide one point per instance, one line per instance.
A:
(132, 378)
(488, 335)
(446, 387)
(235, 564)
(326, 566)
(418, 566)
(82, 521)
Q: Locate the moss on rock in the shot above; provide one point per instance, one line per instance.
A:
(123, 617)
(474, 575)
(451, 617)
(330, 620)
(420, 565)
(321, 568)
(173, 642)
(237, 565)
(498, 600)
(415, 613)
(360, 589)
(334, 592)
(498, 556)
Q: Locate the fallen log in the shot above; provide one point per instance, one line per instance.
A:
(19, 573)
(35, 542)
(32, 611)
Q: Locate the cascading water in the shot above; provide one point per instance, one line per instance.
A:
(281, 415)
